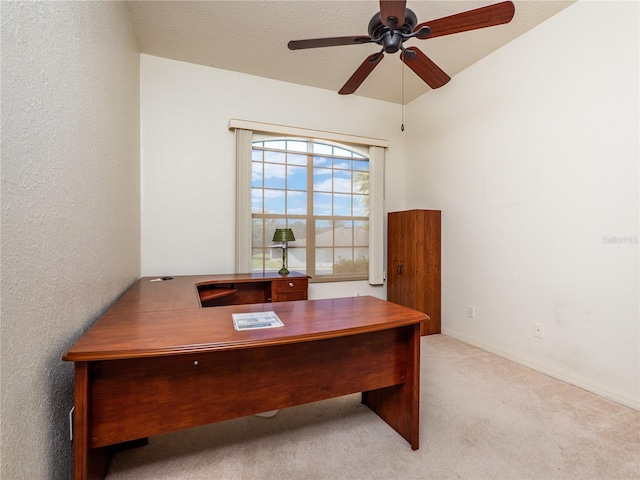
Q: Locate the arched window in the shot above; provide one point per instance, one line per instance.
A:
(327, 187)
(320, 190)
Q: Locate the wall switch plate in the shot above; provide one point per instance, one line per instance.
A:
(471, 311)
(537, 330)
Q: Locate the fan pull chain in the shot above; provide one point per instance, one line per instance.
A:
(402, 90)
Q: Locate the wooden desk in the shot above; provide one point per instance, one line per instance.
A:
(157, 362)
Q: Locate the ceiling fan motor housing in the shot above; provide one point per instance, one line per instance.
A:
(391, 39)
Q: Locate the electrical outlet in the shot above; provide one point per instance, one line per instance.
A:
(471, 311)
(537, 330)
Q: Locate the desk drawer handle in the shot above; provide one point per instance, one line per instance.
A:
(290, 284)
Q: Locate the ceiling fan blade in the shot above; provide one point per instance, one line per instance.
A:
(424, 67)
(361, 73)
(392, 12)
(327, 42)
(489, 16)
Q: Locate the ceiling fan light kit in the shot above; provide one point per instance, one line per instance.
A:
(394, 24)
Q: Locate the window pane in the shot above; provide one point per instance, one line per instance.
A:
(272, 259)
(276, 144)
(321, 162)
(270, 226)
(361, 233)
(256, 200)
(274, 201)
(361, 260)
(297, 145)
(360, 205)
(361, 165)
(322, 204)
(342, 164)
(341, 152)
(296, 159)
(322, 179)
(276, 223)
(297, 178)
(324, 261)
(256, 174)
(274, 157)
(256, 155)
(342, 205)
(361, 183)
(343, 260)
(296, 203)
(342, 181)
(299, 228)
(324, 233)
(297, 259)
(343, 233)
(257, 259)
(257, 232)
(274, 176)
(322, 148)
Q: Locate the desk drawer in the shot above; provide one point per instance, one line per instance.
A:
(289, 289)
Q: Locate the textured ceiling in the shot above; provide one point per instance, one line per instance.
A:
(251, 37)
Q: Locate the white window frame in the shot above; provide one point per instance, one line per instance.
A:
(244, 136)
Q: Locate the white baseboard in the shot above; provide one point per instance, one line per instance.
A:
(599, 390)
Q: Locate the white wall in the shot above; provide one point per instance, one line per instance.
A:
(532, 155)
(70, 209)
(188, 158)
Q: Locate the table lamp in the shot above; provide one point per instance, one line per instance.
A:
(283, 235)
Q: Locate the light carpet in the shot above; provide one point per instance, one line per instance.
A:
(481, 417)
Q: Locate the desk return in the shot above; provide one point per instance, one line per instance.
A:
(243, 289)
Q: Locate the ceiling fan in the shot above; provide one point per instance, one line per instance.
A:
(394, 24)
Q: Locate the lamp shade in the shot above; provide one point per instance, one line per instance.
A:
(283, 235)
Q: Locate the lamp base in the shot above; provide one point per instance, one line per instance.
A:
(283, 271)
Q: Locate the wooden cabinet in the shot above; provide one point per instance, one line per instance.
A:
(413, 263)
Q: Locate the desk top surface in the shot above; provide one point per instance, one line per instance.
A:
(181, 292)
(165, 318)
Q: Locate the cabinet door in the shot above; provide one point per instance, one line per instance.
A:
(393, 257)
(401, 258)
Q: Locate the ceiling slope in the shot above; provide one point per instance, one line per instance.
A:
(251, 37)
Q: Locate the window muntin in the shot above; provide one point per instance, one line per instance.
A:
(321, 191)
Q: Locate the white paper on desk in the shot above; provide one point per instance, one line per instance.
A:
(256, 320)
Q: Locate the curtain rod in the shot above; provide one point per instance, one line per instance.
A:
(235, 123)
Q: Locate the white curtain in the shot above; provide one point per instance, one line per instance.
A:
(243, 200)
(376, 215)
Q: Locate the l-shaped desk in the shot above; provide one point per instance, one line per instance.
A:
(158, 361)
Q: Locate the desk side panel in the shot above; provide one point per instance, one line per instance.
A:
(136, 398)
(88, 464)
(399, 405)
